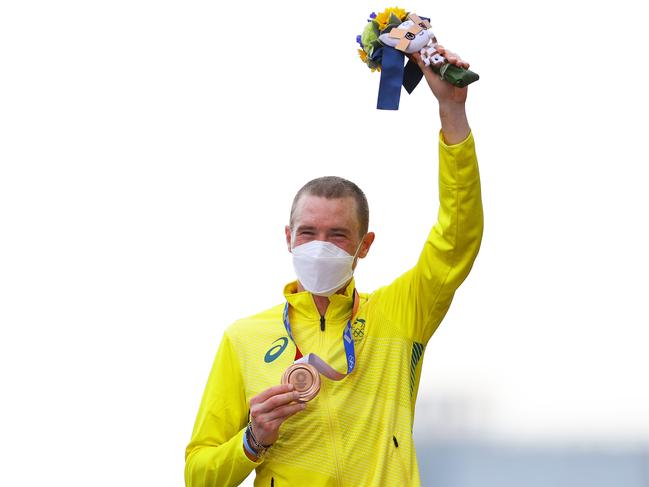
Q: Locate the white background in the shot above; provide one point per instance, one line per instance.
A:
(149, 153)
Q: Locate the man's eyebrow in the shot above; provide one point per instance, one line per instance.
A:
(304, 227)
(340, 230)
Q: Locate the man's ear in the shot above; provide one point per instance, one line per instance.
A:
(366, 243)
(287, 232)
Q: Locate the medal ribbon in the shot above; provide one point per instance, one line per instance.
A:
(312, 359)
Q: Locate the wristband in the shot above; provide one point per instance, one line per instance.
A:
(247, 446)
(261, 449)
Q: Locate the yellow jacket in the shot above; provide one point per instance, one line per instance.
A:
(356, 432)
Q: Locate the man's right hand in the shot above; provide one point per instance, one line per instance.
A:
(270, 408)
(455, 126)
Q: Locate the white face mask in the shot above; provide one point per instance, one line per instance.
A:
(322, 267)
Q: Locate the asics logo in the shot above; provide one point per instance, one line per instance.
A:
(276, 350)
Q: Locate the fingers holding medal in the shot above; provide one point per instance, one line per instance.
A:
(270, 408)
(305, 380)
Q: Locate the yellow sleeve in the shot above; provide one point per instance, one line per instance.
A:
(418, 300)
(215, 455)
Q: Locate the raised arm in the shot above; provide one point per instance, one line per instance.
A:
(418, 300)
(451, 99)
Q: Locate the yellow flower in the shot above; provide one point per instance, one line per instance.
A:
(363, 55)
(384, 17)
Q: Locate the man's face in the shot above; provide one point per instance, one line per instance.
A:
(329, 220)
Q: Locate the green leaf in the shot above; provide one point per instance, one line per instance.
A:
(387, 29)
(394, 19)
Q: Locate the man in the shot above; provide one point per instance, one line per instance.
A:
(356, 431)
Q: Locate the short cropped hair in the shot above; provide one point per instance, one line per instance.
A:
(334, 187)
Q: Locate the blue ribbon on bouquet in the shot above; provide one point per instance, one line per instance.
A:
(393, 76)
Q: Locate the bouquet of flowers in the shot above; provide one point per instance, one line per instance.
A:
(388, 37)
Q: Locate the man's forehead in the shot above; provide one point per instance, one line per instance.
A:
(318, 209)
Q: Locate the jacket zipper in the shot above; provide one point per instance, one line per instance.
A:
(325, 399)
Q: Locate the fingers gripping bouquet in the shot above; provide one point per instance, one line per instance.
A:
(391, 35)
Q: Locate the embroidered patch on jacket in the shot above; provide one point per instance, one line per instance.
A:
(358, 330)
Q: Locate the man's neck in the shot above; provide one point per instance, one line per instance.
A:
(322, 303)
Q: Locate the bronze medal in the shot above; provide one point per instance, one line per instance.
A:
(305, 378)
